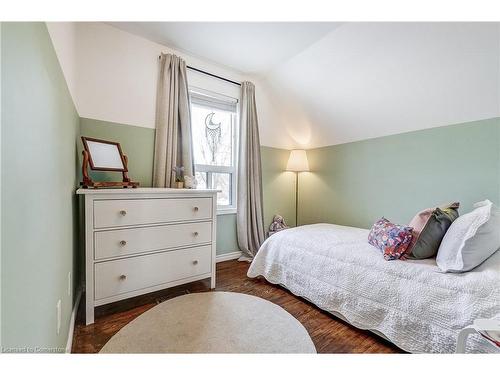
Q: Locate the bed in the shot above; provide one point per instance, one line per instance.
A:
(411, 303)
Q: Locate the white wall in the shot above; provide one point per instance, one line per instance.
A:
(112, 74)
(361, 80)
(366, 80)
(63, 35)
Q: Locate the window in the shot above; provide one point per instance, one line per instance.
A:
(213, 119)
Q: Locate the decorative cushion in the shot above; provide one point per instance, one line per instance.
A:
(471, 239)
(391, 238)
(429, 227)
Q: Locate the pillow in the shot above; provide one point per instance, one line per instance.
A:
(429, 227)
(418, 224)
(391, 238)
(471, 239)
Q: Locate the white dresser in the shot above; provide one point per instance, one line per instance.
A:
(142, 240)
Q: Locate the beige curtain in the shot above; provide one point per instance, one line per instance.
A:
(173, 143)
(250, 217)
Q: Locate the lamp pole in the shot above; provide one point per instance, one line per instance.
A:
(297, 199)
(297, 162)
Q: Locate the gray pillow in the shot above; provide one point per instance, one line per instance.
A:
(426, 242)
(471, 239)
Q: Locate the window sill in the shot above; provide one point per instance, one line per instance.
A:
(226, 211)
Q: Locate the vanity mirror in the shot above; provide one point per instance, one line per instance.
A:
(103, 155)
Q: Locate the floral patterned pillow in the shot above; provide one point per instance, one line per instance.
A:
(391, 238)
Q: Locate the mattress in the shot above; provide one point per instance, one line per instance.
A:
(412, 303)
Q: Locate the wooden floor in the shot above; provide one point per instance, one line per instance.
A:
(329, 334)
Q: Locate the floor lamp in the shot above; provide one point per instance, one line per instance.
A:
(297, 162)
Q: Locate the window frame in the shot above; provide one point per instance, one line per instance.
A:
(211, 169)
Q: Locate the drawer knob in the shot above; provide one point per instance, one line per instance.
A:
(195, 262)
(123, 277)
(195, 234)
(196, 209)
(123, 243)
(123, 212)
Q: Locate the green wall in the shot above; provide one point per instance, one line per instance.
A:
(39, 130)
(396, 176)
(354, 183)
(138, 144)
(350, 184)
(278, 185)
(226, 234)
(278, 190)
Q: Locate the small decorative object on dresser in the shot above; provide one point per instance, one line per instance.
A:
(104, 156)
(190, 182)
(179, 177)
(146, 239)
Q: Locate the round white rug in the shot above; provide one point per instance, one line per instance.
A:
(213, 322)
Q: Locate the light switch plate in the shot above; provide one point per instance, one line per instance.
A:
(69, 284)
(58, 308)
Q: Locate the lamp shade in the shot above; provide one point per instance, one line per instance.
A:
(297, 162)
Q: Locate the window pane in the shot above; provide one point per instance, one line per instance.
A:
(201, 179)
(212, 136)
(222, 181)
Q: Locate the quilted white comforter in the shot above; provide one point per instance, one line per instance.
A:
(412, 303)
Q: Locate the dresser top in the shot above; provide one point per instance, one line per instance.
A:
(146, 191)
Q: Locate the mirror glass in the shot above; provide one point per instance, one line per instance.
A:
(105, 155)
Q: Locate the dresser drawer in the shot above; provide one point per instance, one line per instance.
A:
(127, 275)
(120, 242)
(123, 212)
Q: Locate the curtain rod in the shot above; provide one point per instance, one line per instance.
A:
(210, 74)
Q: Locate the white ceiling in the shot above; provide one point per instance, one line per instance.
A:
(320, 84)
(248, 47)
(366, 80)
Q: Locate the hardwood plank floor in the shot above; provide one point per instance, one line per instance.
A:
(329, 334)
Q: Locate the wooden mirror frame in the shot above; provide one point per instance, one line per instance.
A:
(87, 159)
(91, 162)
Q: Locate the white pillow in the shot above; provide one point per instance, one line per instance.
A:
(471, 239)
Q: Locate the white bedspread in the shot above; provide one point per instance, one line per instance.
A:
(412, 303)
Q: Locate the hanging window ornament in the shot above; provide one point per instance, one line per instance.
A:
(212, 134)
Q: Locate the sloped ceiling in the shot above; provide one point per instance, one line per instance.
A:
(317, 84)
(248, 47)
(346, 82)
(366, 80)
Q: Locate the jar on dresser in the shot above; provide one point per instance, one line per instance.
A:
(141, 240)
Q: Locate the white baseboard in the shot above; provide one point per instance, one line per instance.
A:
(72, 320)
(227, 256)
